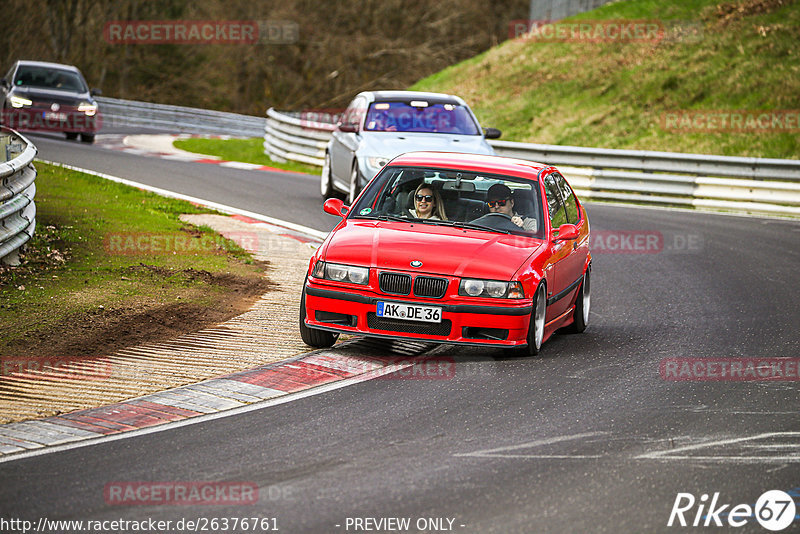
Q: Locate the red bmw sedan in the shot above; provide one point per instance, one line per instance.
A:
(453, 248)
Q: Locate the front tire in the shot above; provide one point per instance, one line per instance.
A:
(583, 302)
(536, 329)
(71, 136)
(87, 138)
(311, 336)
(326, 180)
(355, 189)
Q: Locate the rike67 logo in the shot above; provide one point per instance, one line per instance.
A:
(775, 510)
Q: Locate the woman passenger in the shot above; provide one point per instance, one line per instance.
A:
(428, 203)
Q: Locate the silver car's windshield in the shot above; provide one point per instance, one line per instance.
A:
(452, 198)
(420, 116)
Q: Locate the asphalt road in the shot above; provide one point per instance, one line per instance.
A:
(587, 438)
(290, 197)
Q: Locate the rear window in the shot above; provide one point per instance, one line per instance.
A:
(420, 116)
(48, 78)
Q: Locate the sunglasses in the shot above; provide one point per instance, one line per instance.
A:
(426, 198)
(496, 203)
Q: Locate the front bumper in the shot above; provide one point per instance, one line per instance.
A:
(354, 312)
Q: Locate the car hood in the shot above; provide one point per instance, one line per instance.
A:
(52, 95)
(391, 144)
(442, 250)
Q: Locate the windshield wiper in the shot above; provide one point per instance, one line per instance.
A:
(474, 226)
(384, 217)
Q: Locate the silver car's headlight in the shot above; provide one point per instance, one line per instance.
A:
(341, 273)
(474, 287)
(19, 102)
(376, 162)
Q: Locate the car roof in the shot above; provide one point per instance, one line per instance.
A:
(47, 64)
(404, 96)
(471, 162)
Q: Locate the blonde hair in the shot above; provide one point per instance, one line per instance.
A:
(438, 209)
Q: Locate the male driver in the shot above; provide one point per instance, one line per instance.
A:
(499, 200)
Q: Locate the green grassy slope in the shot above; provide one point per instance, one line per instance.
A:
(745, 56)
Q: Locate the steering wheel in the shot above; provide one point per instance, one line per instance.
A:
(499, 221)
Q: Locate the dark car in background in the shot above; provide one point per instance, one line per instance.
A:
(41, 96)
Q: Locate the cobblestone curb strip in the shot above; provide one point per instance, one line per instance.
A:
(209, 397)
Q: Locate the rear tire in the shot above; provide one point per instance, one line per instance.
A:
(311, 336)
(583, 302)
(71, 135)
(87, 138)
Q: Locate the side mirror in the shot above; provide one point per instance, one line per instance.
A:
(565, 232)
(492, 133)
(95, 92)
(335, 206)
(349, 127)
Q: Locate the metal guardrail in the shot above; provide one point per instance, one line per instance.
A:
(288, 137)
(17, 189)
(750, 185)
(116, 113)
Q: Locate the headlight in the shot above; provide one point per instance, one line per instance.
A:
(471, 287)
(341, 273)
(18, 102)
(377, 162)
(89, 109)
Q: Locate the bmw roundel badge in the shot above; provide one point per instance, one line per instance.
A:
(416, 263)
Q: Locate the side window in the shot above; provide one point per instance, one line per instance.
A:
(354, 112)
(569, 198)
(558, 215)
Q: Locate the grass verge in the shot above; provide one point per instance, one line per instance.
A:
(245, 150)
(112, 266)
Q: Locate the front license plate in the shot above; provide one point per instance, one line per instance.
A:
(409, 312)
(50, 116)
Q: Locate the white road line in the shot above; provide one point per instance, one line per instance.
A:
(491, 453)
(207, 203)
(674, 453)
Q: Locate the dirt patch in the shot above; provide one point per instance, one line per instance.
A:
(732, 11)
(103, 331)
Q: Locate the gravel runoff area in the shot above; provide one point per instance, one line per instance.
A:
(266, 334)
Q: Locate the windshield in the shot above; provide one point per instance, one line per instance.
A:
(420, 117)
(454, 198)
(48, 78)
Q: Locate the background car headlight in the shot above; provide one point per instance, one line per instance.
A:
(471, 287)
(377, 162)
(341, 273)
(89, 109)
(19, 102)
